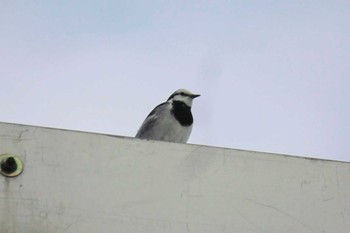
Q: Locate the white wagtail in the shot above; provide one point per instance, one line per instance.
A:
(170, 121)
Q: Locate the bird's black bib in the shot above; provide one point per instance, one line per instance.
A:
(182, 113)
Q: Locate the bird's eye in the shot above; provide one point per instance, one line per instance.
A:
(182, 93)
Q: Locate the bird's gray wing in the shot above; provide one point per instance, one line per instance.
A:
(150, 121)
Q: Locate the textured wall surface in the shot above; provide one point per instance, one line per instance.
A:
(84, 182)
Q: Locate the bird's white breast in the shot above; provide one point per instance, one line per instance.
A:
(169, 129)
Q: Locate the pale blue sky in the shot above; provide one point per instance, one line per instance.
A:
(274, 75)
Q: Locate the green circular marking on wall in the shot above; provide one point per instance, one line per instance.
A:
(10, 165)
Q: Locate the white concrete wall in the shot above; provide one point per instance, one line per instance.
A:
(82, 182)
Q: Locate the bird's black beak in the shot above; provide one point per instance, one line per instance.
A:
(195, 96)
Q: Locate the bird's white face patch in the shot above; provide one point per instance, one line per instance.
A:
(186, 99)
(182, 95)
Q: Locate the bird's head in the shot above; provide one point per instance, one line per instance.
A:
(183, 95)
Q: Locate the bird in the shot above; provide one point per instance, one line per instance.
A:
(170, 121)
